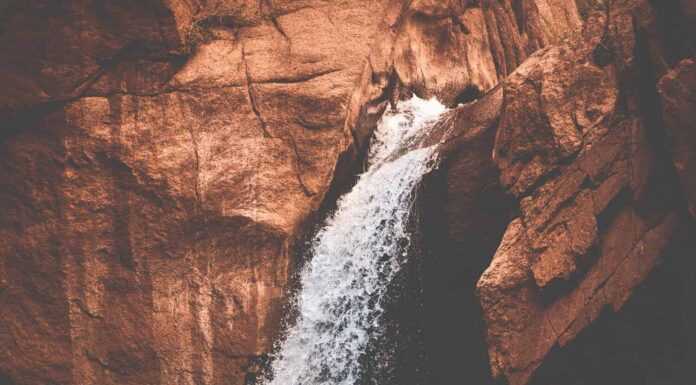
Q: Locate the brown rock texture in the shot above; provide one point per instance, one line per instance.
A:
(161, 159)
(678, 99)
(158, 159)
(455, 50)
(580, 144)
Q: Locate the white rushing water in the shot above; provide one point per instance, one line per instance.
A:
(355, 256)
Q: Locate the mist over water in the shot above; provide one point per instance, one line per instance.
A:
(356, 255)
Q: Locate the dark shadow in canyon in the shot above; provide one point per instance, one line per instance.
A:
(434, 321)
(651, 341)
(5, 379)
(470, 94)
(451, 265)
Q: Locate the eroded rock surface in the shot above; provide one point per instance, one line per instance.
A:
(455, 50)
(158, 160)
(581, 145)
(161, 158)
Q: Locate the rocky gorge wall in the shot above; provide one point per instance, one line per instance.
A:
(161, 159)
(592, 153)
(158, 158)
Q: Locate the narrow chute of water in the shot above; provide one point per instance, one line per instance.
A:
(356, 255)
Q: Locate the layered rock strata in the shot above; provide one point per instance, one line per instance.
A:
(582, 146)
(161, 158)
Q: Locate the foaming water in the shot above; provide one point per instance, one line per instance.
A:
(356, 255)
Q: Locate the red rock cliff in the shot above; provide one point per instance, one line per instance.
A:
(160, 160)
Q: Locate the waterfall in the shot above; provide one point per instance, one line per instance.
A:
(356, 254)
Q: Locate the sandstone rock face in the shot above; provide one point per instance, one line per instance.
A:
(160, 157)
(158, 160)
(579, 146)
(455, 50)
(55, 51)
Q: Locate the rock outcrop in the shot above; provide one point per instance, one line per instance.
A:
(455, 50)
(158, 159)
(161, 159)
(581, 146)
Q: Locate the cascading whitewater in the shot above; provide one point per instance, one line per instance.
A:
(356, 255)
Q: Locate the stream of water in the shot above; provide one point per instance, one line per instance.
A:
(356, 255)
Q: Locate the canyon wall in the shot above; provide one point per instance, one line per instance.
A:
(158, 159)
(161, 159)
(590, 139)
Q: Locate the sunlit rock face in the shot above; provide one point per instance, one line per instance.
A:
(161, 159)
(583, 145)
(158, 159)
(455, 50)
